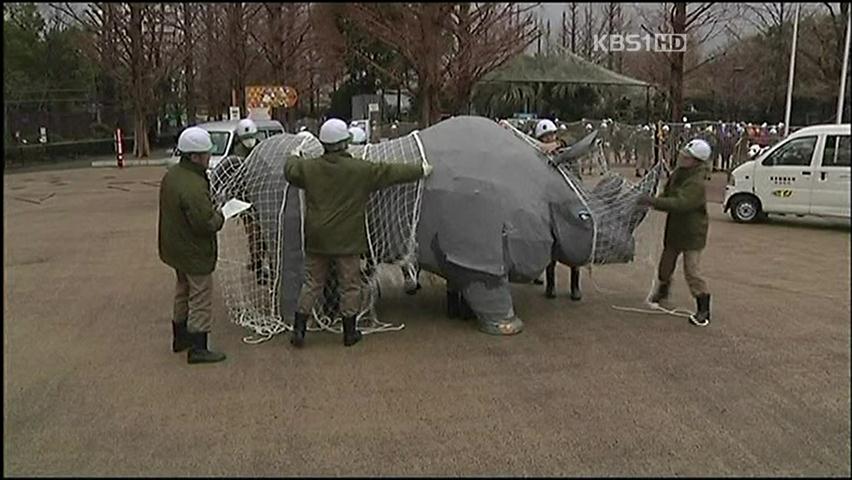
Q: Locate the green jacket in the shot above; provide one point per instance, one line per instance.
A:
(337, 187)
(685, 201)
(188, 220)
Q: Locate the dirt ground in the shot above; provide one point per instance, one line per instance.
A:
(91, 386)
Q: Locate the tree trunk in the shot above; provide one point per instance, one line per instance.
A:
(189, 67)
(141, 147)
(676, 79)
(425, 107)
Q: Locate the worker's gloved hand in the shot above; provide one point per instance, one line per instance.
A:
(550, 147)
(427, 170)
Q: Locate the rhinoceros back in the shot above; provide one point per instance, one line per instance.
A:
(486, 204)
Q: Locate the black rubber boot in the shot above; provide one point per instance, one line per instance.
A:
(660, 293)
(576, 293)
(351, 335)
(198, 352)
(180, 340)
(453, 307)
(300, 326)
(701, 318)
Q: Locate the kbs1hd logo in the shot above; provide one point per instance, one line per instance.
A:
(634, 42)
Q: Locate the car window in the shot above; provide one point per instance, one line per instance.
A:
(796, 152)
(837, 151)
(220, 143)
(270, 133)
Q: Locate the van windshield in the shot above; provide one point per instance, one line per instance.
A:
(220, 143)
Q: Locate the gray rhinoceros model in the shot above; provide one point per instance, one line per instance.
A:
(494, 211)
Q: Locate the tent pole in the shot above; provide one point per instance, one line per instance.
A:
(647, 105)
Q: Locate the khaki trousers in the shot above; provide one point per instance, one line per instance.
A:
(348, 270)
(691, 271)
(194, 301)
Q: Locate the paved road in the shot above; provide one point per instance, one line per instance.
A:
(91, 387)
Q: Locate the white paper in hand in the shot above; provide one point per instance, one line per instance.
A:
(234, 207)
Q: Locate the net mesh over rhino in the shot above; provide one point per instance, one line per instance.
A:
(494, 211)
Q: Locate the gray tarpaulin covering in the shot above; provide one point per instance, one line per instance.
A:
(490, 210)
(494, 211)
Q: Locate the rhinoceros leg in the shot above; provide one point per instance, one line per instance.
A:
(550, 280)
(576, 293)
(291, 266)
(492, 303)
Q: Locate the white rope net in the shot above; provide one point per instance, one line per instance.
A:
(258, 250)
(626, 238)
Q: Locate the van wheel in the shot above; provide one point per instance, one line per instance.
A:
(746, 209)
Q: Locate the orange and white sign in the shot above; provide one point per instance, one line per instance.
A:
(268, 96)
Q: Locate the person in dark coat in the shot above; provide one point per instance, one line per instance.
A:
(684, 199)
(188, 223)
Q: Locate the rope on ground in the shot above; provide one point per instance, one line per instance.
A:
(656, 309)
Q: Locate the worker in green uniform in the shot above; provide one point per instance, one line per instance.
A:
(337, 187)
(188, 223)
(684, 199)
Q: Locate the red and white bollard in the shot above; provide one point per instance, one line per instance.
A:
(119, 148)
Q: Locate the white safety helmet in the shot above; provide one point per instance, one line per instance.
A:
(246, 128)
(753, 150)
(780, 125)
(685, 120)
(665, 128)
(765, 125)
(645, 128)
(359, 136)
(603, 124)
(333, 131)
(544, 127)
(563, 127)
(195, 140)
(687, 126)
(773, 131)
(698, 149)
(709, 129)
(589, 126)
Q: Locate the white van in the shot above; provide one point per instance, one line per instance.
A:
(224, 136)
(807, 173)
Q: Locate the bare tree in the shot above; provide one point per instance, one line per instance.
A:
(450, 46)
(612, 14)
(240, 56)
(189, 13)
(139, 46)
(700, 22)
(214, 81)
(588, 31)
(828, 26)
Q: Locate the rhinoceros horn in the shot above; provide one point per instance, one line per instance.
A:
(577, 150)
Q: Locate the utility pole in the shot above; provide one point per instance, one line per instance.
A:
(792, 70)
(843, 71)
